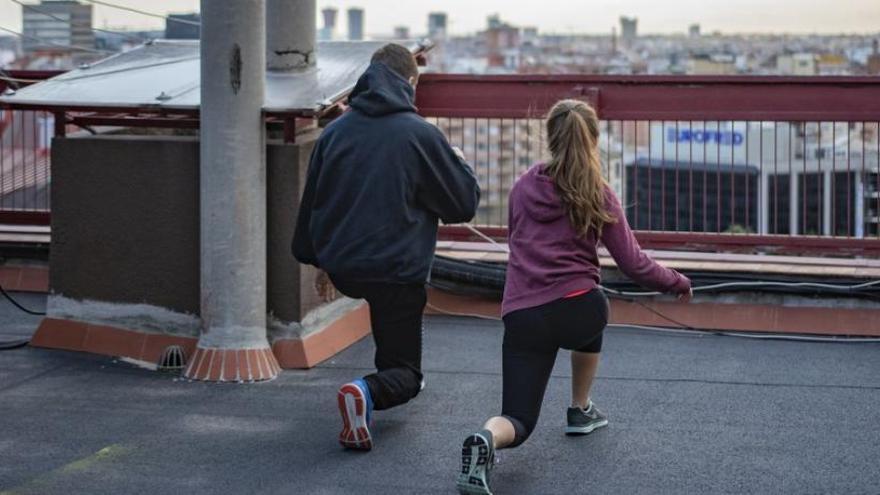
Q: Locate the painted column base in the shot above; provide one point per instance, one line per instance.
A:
(232, 365)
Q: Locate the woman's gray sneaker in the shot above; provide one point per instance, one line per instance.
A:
(582, 422)
(477, 459)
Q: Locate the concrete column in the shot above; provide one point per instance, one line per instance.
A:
(290, 34)
(233, 344)
(826, 202)
(794, 213)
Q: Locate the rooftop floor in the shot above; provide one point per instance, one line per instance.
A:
(689, 414)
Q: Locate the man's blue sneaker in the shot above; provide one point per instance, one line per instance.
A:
(356, 409)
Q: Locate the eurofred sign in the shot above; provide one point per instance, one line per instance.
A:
(725, 138)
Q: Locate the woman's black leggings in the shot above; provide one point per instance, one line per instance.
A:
(532, 337)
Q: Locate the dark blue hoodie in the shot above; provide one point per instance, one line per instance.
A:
(379, 179)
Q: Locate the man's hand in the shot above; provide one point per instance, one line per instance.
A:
(686, 297)
(324, 287)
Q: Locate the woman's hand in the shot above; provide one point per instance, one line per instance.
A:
(687, 296)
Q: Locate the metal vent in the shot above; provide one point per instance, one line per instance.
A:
(173, 359)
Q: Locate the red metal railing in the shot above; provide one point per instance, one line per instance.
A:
(732, 162)
(25, 168)
(786, 164)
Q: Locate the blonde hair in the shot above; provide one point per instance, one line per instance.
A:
(574, 166)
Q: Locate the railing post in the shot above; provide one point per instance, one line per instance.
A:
(859, 230)
(60, 124)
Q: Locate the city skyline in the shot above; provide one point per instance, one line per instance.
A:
(672, 16)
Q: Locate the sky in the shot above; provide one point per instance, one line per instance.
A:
(560, 16)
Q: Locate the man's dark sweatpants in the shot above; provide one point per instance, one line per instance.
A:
(396, 317)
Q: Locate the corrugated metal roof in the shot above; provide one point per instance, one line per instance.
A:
(165, 74)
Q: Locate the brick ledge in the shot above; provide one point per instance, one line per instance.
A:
(24, 278)
(317, 347)
(291, 353)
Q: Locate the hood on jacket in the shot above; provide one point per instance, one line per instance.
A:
(381, 91)
(540, 200)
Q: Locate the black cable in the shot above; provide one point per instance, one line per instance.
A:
(491, 276)
(656, 312)
(482, 279)
(14, 344)
(19, 306)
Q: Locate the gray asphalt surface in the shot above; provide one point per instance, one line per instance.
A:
(688, 415)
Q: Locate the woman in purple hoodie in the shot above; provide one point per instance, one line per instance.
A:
(559, 212)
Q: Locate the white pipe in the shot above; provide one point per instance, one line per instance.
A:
(794, 213)
(764, 205)
(826, 202)
(233, 175)
(860, 205)
(291, 34)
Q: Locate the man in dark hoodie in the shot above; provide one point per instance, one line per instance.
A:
(379, 180)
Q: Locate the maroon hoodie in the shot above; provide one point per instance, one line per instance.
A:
(549, 260)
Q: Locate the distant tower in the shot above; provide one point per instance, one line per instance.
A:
(628, 29)
(874, 60)
(494, 21)
(401, 33)
(694, 31)
(437, 25)
(613, 40)
(500, 39)
(328, 32)
(355, 24)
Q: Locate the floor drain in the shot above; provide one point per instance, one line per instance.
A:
(173, 359)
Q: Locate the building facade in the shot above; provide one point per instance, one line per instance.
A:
(57, 26)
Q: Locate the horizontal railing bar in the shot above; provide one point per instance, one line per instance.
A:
(654, 97)
(14, 217)
(652, 80)
(649, 239)
(135, 121)
(668, 115)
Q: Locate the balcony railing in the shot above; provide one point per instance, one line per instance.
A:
(740, 163)
(25, 170)
(746, 163)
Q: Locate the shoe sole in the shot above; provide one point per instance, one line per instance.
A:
(585, 430)
(355, 434)
(475, 463)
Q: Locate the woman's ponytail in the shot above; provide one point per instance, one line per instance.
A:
(574, 166)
